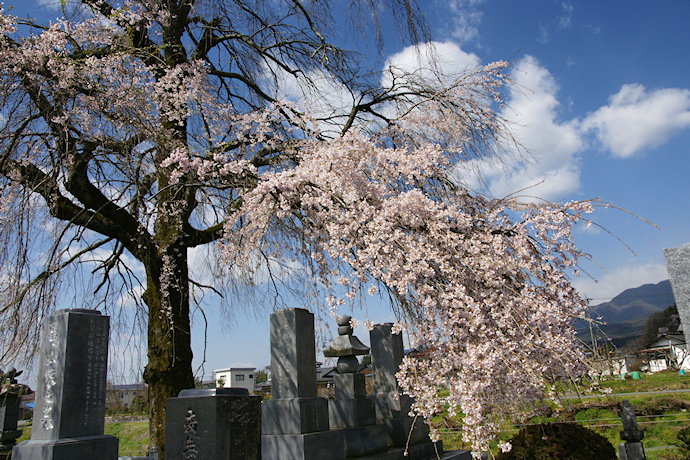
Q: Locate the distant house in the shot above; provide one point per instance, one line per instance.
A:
(235, 377)
(125, 395)
(613, 366)
(667, 351)
(325, 380)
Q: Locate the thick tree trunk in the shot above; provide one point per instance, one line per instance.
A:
(169, 368)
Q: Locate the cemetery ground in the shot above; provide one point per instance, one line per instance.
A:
(661, 401)
(661, 415)
(133, 436)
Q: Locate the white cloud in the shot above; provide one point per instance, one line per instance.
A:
(68, 5)
(551, 169)
(566, 17)
(466, 19)
(636, 119)
(443, 62)
(616, 281)
(318, 92)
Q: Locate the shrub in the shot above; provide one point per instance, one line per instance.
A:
(564, 441)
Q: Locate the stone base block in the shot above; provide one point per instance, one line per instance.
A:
(399, 431)
(312, 446)
(631, 451)
(365, 440)
(294, 416)
(87, 448)
(457, 455)
(350, 386)
(214, 423)
(390, 405)
(351, 413)
(424, 451)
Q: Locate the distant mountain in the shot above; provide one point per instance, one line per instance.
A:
(634, 303)
(625, 315)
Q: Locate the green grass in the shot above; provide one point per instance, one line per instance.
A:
(660, 416)
(667, 380)
(133, 436)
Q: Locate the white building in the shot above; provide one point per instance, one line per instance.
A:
(667, 351)
(235, 377)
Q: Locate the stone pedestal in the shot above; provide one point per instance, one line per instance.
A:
(631, 451)
(295, 421)
(217, 423)
(69, 415)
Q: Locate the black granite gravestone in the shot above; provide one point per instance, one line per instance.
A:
(213, 424)
(69, 414)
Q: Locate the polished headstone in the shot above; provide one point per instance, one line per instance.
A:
(215, 423)
(293, 354)
(69, 415)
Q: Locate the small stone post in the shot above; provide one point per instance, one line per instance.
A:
(10, 391)
(632, 448)
(351, 410)
(69, 416)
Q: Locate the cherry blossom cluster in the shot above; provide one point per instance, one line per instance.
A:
(480, 283)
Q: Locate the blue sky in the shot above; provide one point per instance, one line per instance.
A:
(604, 111)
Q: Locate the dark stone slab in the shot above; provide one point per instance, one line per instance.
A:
(350, 386)
(424, 451)
(219, 423)
(83, 448)
(631, 451)
(294, 416)
(323, 445)
(402, 431)
(392, 405)
(9, 411)
(387, 353)
(349, 413)
(70, 396)
(293, 354)
(365, 440)
(203, 392)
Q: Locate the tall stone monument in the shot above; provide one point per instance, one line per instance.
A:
(351, 410)
(69, 415)
(678, 267)
(393, 407)
(294, 422)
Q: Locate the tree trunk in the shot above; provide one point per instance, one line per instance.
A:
(169, 368)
